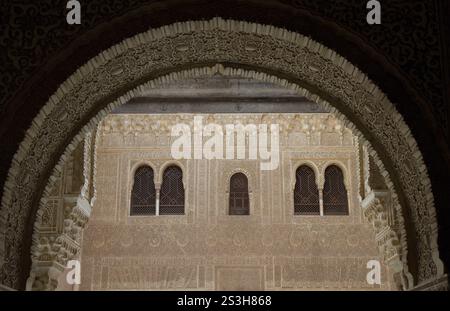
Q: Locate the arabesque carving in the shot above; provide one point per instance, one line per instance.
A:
(195, 44)
(58, 241)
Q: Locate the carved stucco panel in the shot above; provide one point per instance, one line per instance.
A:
(259, 47)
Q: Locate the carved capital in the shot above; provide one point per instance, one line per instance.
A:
(44, 276)
(387, 240)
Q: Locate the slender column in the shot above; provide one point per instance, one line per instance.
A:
(321, 201)
(157, 201)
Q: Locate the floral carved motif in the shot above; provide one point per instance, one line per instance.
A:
(198, 44)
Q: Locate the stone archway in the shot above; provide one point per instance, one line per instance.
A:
(261, 52)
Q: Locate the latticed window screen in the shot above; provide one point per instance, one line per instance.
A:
(306, 193)
(172, 192)
(143, 194)
(239, 198)
(335, 201)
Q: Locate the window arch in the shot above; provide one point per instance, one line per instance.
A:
(143, 194)
(172, 192)
(335, 201)
(306, 193)
(239, 203)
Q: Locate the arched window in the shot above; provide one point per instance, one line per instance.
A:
(306, 193)
(239, 199)
(143, 194)
(172, 192)
(335, 200)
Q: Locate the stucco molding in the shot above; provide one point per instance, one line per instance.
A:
(246, 50)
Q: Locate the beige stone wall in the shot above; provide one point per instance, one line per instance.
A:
(207, 249)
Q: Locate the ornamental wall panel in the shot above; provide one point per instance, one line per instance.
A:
(208, 249)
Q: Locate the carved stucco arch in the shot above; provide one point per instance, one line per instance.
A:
(342, 167)
(131, 178)
(247, 173)
(309, 164)
(138, 165)
(251, 189)
(245, 49)
(167, 164)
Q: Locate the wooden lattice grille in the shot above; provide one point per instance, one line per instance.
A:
(306, 193)
(335, 201)
(239, 199)
(143, 194)
(172, 192)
